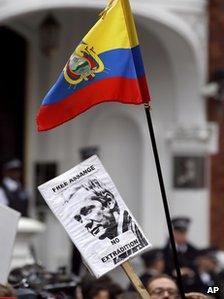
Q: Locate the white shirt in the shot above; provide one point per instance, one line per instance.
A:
(206, 278)
(12, 185)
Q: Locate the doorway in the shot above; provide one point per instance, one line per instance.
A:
(13, 53)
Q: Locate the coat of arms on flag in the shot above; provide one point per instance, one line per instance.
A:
(83, 64)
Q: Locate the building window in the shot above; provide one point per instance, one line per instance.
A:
(189, 172)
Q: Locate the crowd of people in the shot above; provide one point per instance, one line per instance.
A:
(200, 268)
(201, 272)
(159, 287)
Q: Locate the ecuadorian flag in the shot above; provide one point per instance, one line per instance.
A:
(106, 66)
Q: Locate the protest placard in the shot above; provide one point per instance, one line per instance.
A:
(87, 203)
(8, 228)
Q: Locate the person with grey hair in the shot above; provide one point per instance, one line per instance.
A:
(12, 192)
(101, 215)
(99, 211)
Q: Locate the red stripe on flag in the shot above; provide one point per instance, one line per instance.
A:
(122, 90)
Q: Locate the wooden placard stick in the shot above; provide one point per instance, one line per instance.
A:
(128, 269)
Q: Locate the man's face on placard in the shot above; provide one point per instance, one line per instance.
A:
(96, 213)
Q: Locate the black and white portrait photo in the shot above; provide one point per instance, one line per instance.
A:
(87, 203)
(99, 211)
(101, 215)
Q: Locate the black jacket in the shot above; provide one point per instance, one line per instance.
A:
(186, 258)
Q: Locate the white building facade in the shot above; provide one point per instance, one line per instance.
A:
(173, 38)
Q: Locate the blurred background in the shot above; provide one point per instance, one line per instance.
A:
(182, 46)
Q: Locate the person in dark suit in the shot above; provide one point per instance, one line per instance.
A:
(154, 264)
(185, 250)
(12, 192)
(206, 272)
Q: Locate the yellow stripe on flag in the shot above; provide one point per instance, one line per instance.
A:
(114, 30)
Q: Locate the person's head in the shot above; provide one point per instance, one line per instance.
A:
(13, 169)
(129, 295)
(154, 259)
(162, 287)
(99, 291)
(180, 229)
(206, 260)
(97, 211)
(7, 291)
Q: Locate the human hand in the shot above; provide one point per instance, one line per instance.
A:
(187, 272)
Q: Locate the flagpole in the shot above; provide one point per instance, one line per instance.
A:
(165, 201)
